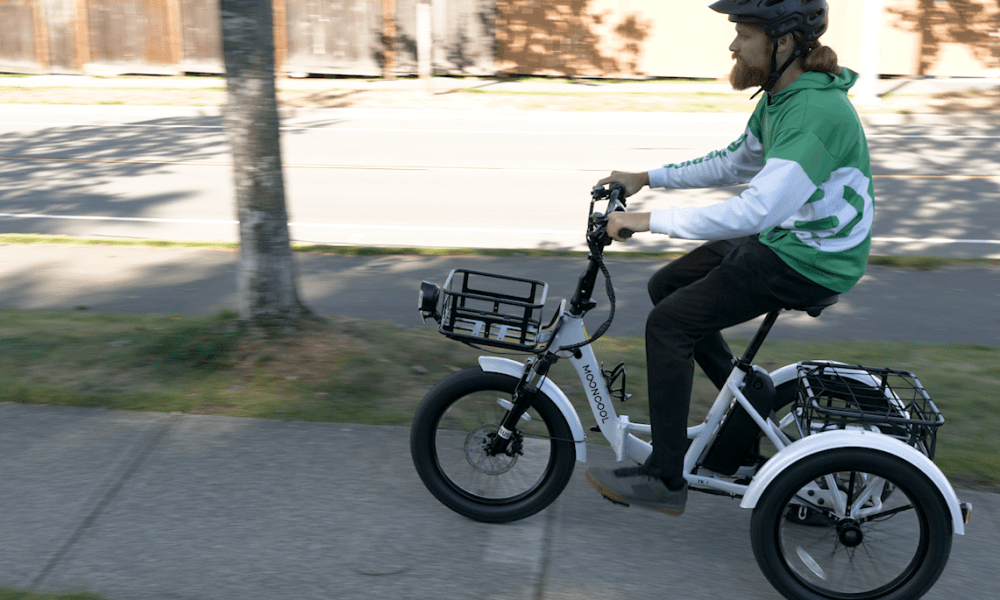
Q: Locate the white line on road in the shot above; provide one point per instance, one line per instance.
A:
(489, 131)
(127, 219)
(901, 240)
(201, 163)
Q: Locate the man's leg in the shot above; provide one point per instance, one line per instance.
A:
(750, 281)
(710, 352)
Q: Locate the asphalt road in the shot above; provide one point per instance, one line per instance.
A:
(451, 179)
(956, 304)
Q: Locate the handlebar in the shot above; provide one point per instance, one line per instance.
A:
(598, 222)
(597, 240)
(615, 195)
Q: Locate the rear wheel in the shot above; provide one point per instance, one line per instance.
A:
(450, 444)
(852, 524)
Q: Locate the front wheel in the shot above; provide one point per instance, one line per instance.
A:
(453, 429)
(829, 528)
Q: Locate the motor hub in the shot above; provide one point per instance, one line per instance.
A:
(849, 533)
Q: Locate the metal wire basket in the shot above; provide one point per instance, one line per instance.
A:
(837, 396)
(493, 310)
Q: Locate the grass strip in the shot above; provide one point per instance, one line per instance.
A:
(375, 373)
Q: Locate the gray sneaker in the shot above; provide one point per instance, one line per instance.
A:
(630, 485)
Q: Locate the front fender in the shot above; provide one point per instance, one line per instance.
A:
(829, 440)
(493, 364)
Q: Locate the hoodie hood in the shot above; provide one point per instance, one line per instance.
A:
(816, 80)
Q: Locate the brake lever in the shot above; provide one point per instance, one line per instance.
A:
(599, 192)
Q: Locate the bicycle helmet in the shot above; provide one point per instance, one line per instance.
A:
(808, 18)
(779, 17)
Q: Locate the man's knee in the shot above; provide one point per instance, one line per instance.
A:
(662, 284)
(663, 324)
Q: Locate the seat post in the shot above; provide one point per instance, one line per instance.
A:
(744, 363)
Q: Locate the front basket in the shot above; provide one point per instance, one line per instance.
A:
(493, 310)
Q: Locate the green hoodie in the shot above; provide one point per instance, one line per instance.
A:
(810, 194)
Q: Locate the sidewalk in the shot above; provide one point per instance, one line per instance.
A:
(941, 96)
(159, 507)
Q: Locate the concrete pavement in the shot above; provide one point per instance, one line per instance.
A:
(160, 507)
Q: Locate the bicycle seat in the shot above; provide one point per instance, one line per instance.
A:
(815, 308)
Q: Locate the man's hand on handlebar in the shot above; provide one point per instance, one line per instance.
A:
(633, 182)
(633, 222)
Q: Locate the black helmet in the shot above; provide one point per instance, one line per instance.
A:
(808, 17)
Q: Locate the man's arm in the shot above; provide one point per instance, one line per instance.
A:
(737, 163)
(777, 193)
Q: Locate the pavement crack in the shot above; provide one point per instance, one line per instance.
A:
(144, 451)
(548, 543)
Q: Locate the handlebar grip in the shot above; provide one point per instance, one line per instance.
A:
(620, 195)
(625, 233)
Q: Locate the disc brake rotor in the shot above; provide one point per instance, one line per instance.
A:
(477, 445)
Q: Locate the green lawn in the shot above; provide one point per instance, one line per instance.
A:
(371, 372)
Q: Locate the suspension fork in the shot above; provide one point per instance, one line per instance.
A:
(535, 372)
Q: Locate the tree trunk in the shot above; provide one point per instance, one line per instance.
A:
(268, 295)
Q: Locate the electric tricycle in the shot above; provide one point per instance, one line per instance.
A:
(847, 501)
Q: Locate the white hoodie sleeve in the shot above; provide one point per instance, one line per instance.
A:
(778, 191)
(738, 163)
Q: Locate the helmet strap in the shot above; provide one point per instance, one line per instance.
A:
(776, 73)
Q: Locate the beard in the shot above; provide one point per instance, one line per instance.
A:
(744, 76)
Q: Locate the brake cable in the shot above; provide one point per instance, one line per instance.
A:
(597, 254)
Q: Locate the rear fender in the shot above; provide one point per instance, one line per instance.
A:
(830, 440)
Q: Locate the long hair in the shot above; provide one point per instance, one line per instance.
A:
(820, 58)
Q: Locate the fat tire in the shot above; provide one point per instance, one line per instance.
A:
(423, 449)
(933, 547)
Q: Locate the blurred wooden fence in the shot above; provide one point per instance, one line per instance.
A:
(599, 38)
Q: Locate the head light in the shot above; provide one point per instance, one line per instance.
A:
(427, 300)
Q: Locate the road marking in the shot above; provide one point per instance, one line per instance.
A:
(907, 240)
(355, 226)
(199, 163)
(126, 219)
(118, 161)
(933, 136)
(487, 131)
(950, 176)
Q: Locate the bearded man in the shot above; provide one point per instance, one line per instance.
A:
(800, 233)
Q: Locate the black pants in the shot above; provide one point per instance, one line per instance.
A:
(718, 285)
